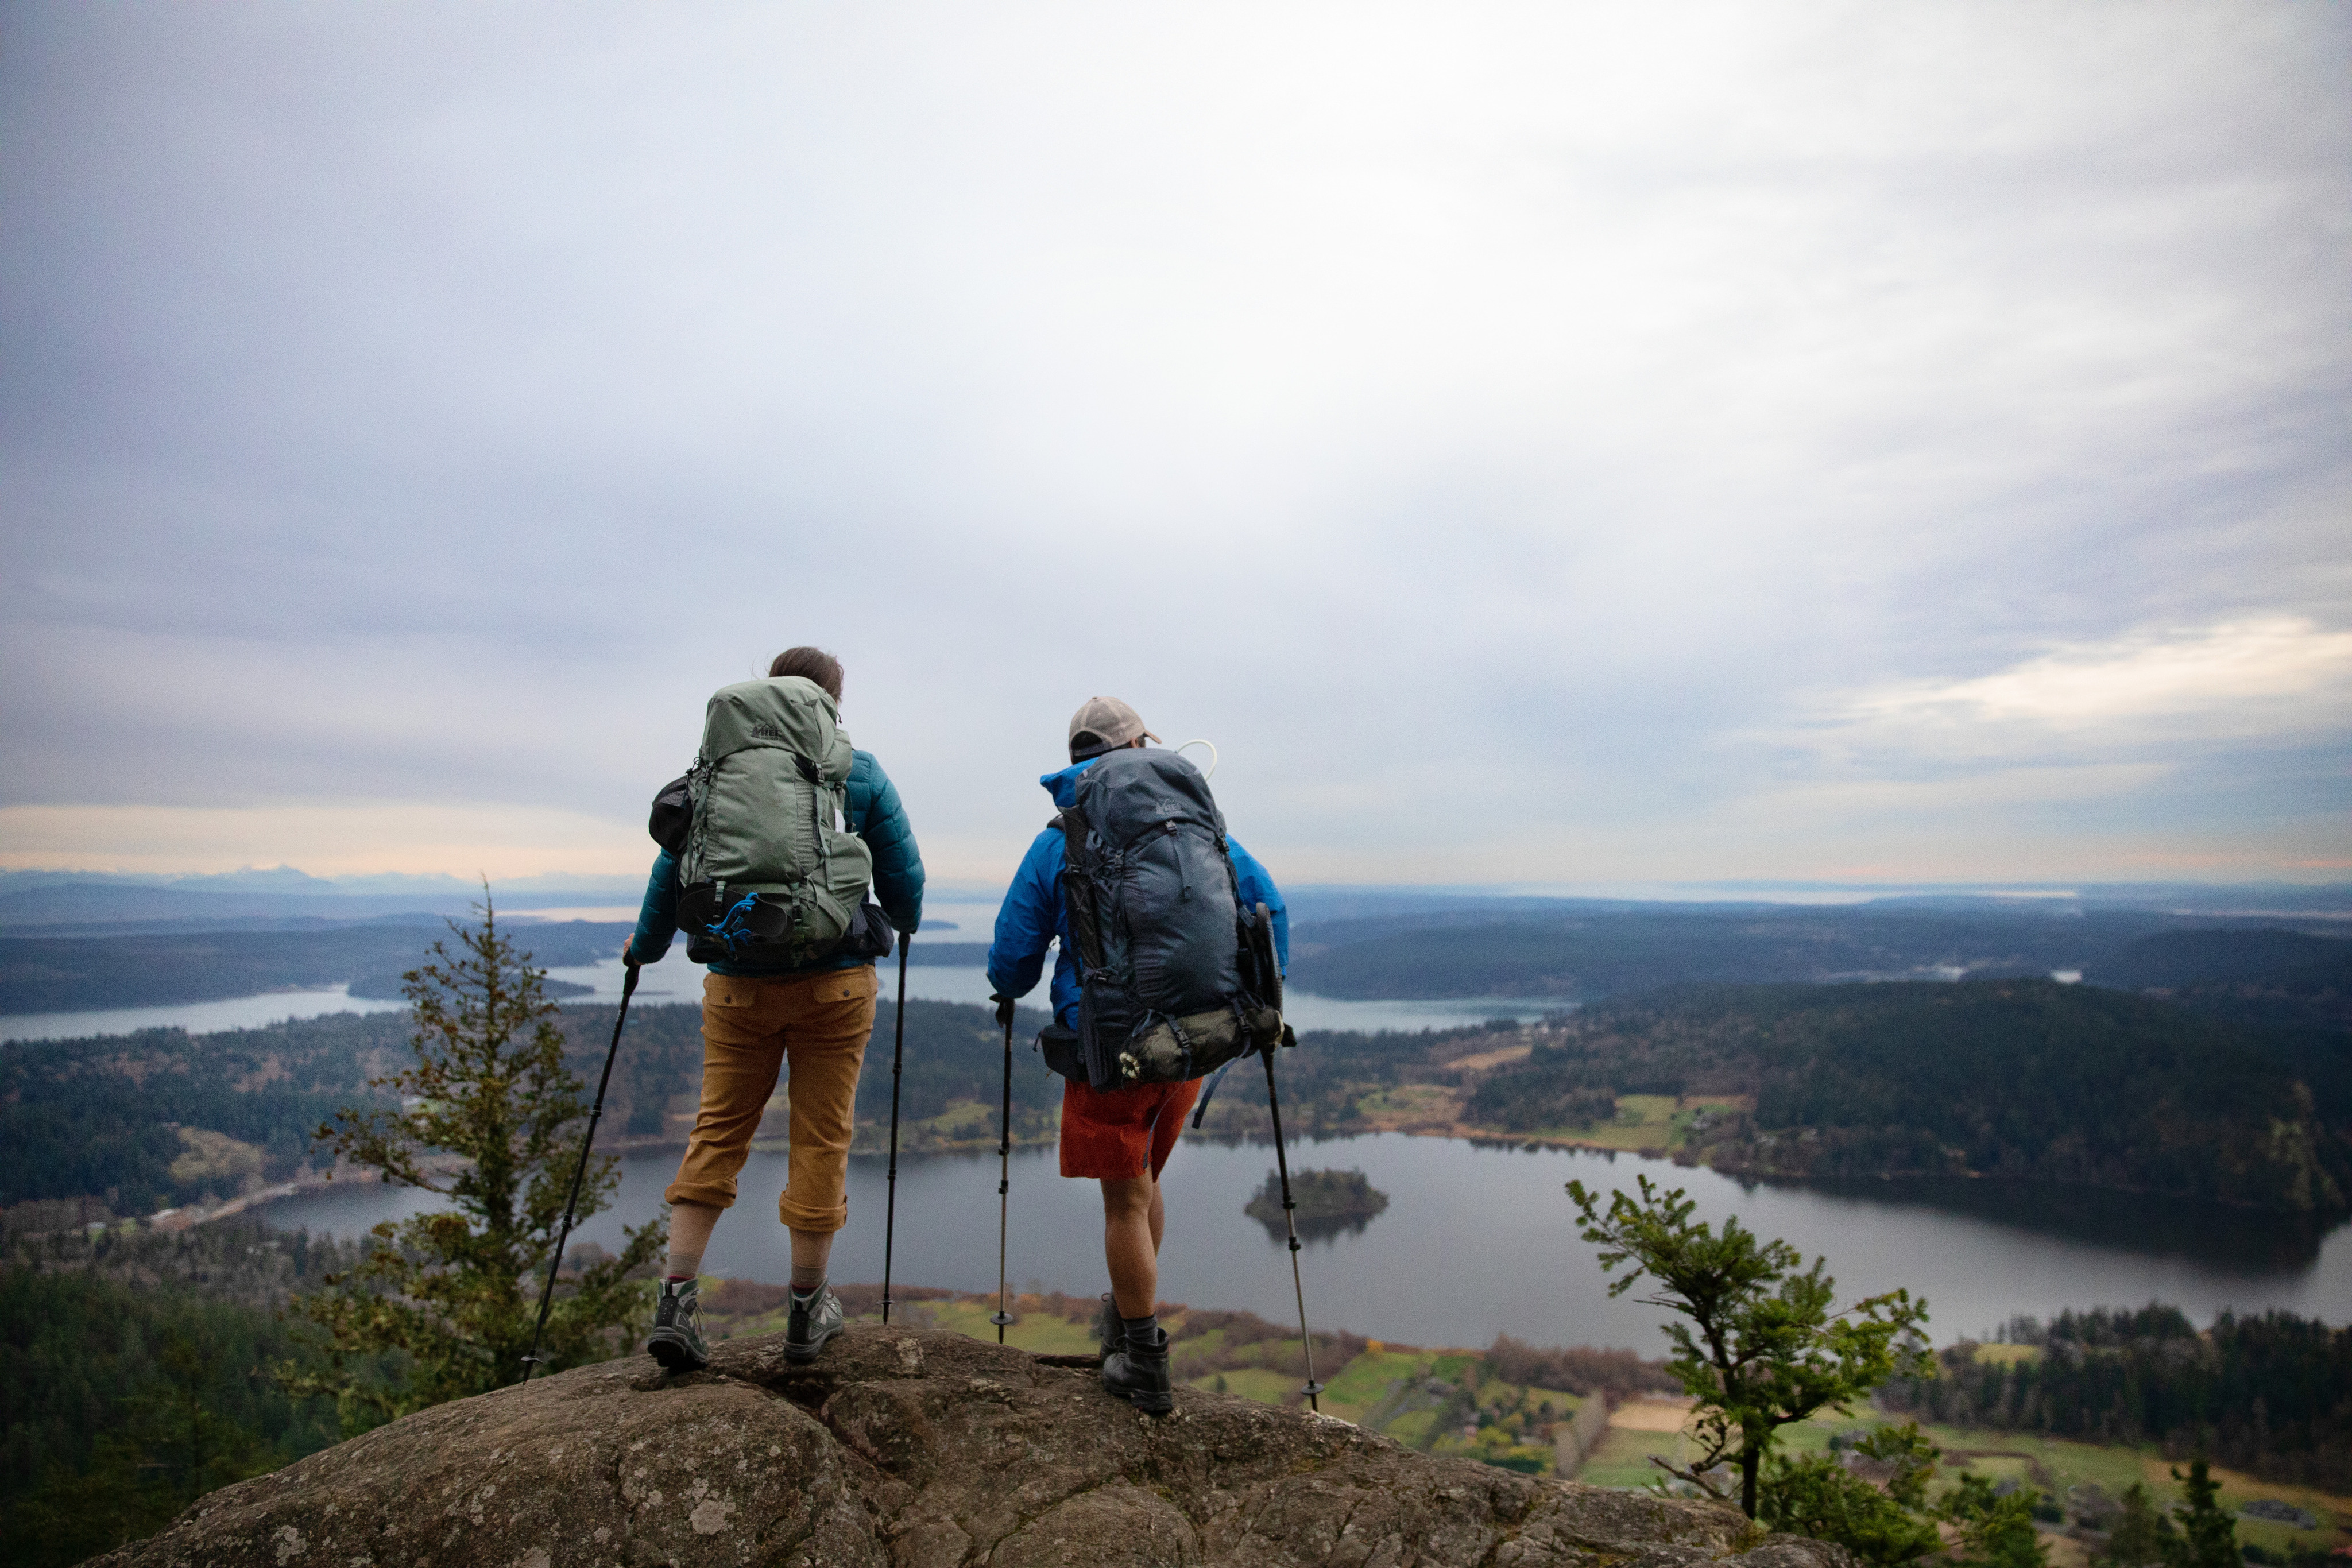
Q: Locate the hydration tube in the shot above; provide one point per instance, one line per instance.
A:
(1212, 770)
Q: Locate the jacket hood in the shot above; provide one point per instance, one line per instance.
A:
(1064, 786)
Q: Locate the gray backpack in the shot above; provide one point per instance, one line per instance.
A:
(1176, 978)
(766, 872)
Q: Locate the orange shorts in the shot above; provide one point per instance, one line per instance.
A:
(1119, 1135)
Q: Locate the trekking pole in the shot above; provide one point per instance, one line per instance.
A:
(898, 1055)
(1282, 1165)
(1003, 1178)
(547, 1294)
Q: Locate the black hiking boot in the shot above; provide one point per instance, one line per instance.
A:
(1138, 1374)
(1109, 1328)
(816, 1318)
(677, 1341)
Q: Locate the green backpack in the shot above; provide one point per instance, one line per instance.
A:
(767, 874)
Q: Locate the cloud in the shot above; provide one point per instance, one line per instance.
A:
(1498, 428)
(2281, 679)
(333, 839)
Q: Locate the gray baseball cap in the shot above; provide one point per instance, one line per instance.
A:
(1104, 724)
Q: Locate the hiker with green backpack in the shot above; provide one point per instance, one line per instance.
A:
(1174, 940)
(770, 844)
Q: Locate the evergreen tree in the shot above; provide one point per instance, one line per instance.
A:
(165, 1446)
(2208, 1536)
(1762, 1348)
(2143, 1535)
(1818, 1497)
(491, 1120)
(1996, 1531)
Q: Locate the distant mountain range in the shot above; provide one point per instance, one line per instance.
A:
(53, 974)
(1584, 955)
(257, 897)
(104, 943)
(283, 893)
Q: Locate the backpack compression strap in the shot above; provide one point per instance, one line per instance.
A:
(1078, 890)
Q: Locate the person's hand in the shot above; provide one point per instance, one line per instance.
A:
(626, 944)
(1004, 1011)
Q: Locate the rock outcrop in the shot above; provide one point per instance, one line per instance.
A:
(908, 1449)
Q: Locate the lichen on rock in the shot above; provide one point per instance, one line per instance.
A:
(911, 1448)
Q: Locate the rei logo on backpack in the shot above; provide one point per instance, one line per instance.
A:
(766, 872)
(1176, 978)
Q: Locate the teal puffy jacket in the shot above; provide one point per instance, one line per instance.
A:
(874, 813)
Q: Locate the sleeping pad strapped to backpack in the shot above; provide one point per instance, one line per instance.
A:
(1176, 978)
(766, 874)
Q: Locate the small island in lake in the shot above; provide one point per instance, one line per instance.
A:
(1327, 1201)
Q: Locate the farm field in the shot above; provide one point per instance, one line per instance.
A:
(2052, 1465)
(1656, 1122)
(1649, 1123)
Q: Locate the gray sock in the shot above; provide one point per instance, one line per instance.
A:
(683, 1265)
(807, 1281)
(1143, 1333)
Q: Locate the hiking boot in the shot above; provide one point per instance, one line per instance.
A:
(1138, 1374)
(677, 1341)
(816, 1318)
(1108, 1328)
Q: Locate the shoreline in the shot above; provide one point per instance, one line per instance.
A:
(307, 1182)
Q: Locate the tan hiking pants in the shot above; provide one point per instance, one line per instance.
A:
(819, 1024)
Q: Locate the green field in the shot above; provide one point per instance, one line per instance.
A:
(1643, 1121)
(2048, 1464)
(1411, 1101)
(1265, 1386)
(1041, 1333)
(1352, 1391)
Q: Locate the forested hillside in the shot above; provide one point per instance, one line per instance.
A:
(53, 974)
(2293, 989)
(1586, 955)
(2022, 1079)
(164, 1117)
(2271, 1393)
(135, 1374)
(108, 1117)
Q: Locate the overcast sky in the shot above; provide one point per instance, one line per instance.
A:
(1546, 444)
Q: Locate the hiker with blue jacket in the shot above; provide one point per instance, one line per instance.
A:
(1162, 978)
(772, 894)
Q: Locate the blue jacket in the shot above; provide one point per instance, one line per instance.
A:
(1034, 914)
(873, 813)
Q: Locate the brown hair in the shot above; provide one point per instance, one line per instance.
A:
(815, 663)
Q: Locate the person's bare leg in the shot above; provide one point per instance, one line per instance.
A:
(810, 1250)
(1130, 1245)
(691, 1225)
(1159, 1222)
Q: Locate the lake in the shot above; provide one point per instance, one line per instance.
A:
(1477, 1239)
(675, 980)
(197, 1018)
(1480, 1241)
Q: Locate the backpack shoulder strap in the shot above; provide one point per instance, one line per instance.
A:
(1080, 889)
